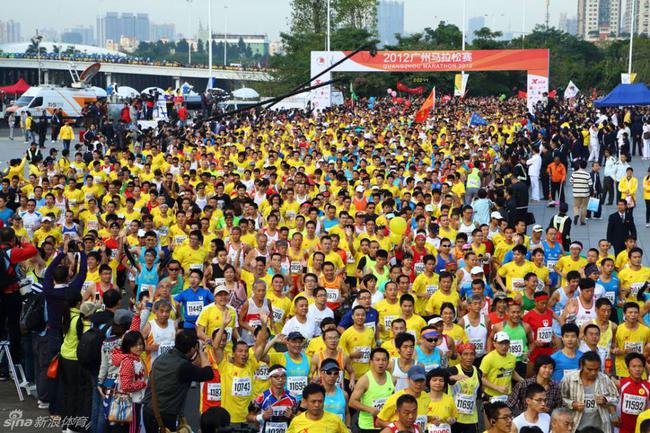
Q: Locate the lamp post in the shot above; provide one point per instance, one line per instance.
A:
(209, 44)
(36, 40)
(225, 36)
(189, 32)
(329, 17)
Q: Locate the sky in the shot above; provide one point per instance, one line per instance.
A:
(272, 16)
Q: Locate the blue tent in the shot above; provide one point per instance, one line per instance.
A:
(626, 94)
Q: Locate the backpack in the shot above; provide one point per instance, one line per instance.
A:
(6, 279)
(89, 349)
(32, 313)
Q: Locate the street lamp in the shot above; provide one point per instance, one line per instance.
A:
(629, 60)
(36, 40)
(209, 44)
(189, 32)
(329, 34)
(225, 35)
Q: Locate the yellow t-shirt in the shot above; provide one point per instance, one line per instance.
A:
(329, 423)
(438, 298)
(635, 340)
(444, 408)
(237, 388)
(280, 307)
(567, 264)
(352, 341)
(387, 313)
(389, 411)
(211, 317)
(514, 275)
(498, 370)
(424, 285)
(633, 280)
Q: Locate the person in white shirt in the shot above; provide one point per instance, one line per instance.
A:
(534, 167)
(299, 322)
(31, 218)
(609, 185)
(594, 144)
(535, 414)
(621, 172)
(646, 141)
(319, 310)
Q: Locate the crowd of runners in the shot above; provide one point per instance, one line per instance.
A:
(344, 270)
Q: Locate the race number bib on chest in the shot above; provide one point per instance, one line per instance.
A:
(194, 308)
(545, 334)
(431, 289)
(590, 403)
(388, 320)
(278, 314)
(365, 355)
(421, 422)
(165, 347)
(295, 267)
(465, 404)
(633, 404)
(332, 295)
(295, 384)
(214, 392)
(241, 386)
(442, 428)
(479, 344)
(275, 427)
(634, 346)
(517, 347)
(418, 267)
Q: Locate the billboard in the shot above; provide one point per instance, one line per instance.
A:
(534, 61)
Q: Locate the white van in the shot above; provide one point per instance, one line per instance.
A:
(49, 98)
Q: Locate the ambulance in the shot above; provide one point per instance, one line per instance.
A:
(71, 100)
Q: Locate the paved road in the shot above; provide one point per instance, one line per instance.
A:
(588, 235)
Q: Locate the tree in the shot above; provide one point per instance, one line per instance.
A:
(308, 16)
(358, 14)
(34, 48)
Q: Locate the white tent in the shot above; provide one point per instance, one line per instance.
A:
(127, 92)
(245, 93)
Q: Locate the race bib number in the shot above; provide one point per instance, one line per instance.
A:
(262, 372)
(550, 265)
(479, 344)
(93, 225)
(198, 267)
(517, 347)
(633, 404)
(296, 267)
(87, 285)
(219, 281)
(194, 308)
(590, 403)
(278, 314)
(431, 289)
(165, 347)
(151, 288)
(241, 386)
(465, 404)
(569, 371)
(634, 346)
(418, 267)
(370, 325)
(517, 284)
(421, 422)
(163, 230)
(179, 239)
(350, 259)
(332, 295)
(379, 403)
(635, 287)
(275, 427)
(365, 355)
(442, 428)
(611, 296)
(214, 391)
(295, 385)
(545, 334)
(388, 320)
(228, 334)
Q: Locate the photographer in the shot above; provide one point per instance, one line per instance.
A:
(170, 380)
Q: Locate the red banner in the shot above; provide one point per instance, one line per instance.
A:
(412, 90)
(522, 95)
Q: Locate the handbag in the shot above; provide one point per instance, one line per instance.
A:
(53, 368)
(631, 203)
(593, 204)
(183, 426)
(120, 409)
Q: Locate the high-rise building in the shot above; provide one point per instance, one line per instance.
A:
(163, 31)
(598, 19)
(142, 27)
(568, 25)
(474, 24)
(642, 15)
(79, 35)
(114, 26)
(9, 32)
(390, 21)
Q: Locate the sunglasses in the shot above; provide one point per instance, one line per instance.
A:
(431, 340)
(332, 372)
(174, 269)
(445, 245)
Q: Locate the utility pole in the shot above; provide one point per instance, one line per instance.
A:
(548, 14)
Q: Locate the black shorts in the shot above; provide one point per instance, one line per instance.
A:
(464, 428)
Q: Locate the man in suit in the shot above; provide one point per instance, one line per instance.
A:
(619, 226)
(597, 190)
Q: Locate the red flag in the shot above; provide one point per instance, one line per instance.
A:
(552, 93)
(412, 90)
(522, 95)
(425, 109)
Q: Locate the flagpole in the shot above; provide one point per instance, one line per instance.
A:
(464, 30)
(629, 60)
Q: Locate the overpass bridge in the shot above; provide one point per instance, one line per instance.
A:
(138, 76)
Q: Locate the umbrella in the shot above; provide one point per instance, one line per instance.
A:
(152, 90)
(245, 93)
(127, 92)
(99, 92)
